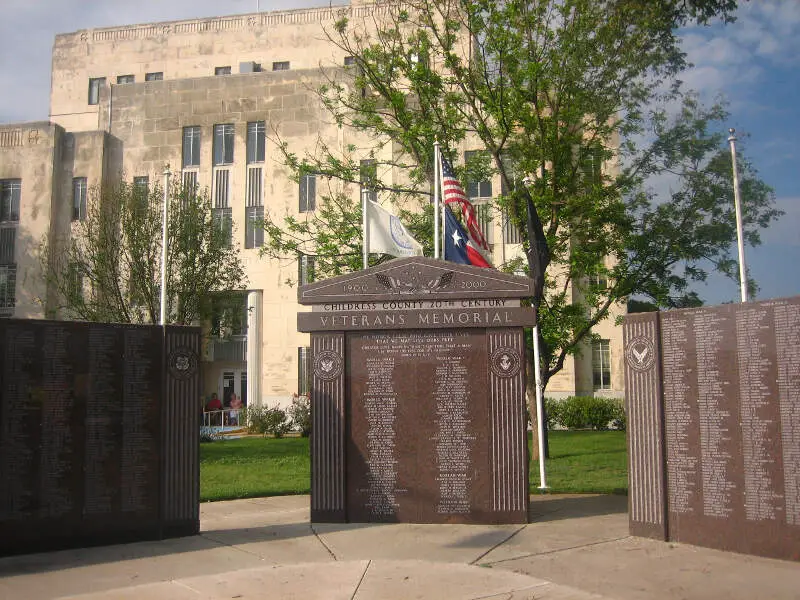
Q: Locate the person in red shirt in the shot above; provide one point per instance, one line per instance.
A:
(214, 403)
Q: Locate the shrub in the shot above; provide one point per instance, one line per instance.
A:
(209, 434)
(300, 413)
(267, 420)
(582, 412)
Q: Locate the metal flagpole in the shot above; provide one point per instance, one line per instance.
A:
(537, 369)
(738, 207)
(365, 225)
(437, 165)
(163, 318)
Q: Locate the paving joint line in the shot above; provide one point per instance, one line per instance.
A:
(360, 581)
(321, 541)
(205, 536)
(545, 553)
(498, 544)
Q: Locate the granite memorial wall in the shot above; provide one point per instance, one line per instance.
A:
(713, 399)
(98, 433)
(418, 394)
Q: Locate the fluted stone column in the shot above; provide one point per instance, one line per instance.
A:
(254, 339)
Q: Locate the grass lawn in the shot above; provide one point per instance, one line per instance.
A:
(580, 462)
(584, 462)
(252, 467)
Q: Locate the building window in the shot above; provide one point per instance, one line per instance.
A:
(369, 178)
(349, 61)
(125, 79)
(8, 244)
(8, 287)
(511, 233)
(223, 144)
(483, 213)
(304, 370)
(154, 76)
(95, 84)
(191, 146)
(592, 165)
(256, 141)
(79, 198)
(142, 184)
(305, 269)
(223, 214)
(282, 65)
(601, 364)
(308, 193)
(222, 70)
(190, 181)
(477, 189)
(254, 209)
(10, 191)
(75, 282)
(598, 281)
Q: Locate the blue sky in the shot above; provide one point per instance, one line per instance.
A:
(754, 63)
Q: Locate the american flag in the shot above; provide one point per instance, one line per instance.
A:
(454, 193)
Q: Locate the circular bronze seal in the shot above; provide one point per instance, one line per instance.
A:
(640, 354)
(506, 362)
(182, 363)
(328, 365)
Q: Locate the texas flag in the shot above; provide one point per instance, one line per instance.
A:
(459, 247)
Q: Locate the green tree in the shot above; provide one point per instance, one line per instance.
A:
(567, 99)
(108, 269)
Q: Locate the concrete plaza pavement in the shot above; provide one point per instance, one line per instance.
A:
(573, 548)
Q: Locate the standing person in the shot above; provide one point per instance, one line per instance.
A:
(236, 405)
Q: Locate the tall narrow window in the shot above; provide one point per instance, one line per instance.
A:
(511, 233)
(155, 76)
(483, 212)
(477, 189)
(304, 370)
(601, 364)
(223, 214)
(8, 288)
(256, 141)
(223, 144)
(592, 165)
(95, 85)
(79, 198)
(369, 178)
(191, 146)
(254, 210)
(125, 79)
(305, 266)
(141, 184)
(190, 181)
(308, 193)
(10, 191)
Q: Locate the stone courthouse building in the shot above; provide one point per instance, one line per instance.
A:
(203, 95)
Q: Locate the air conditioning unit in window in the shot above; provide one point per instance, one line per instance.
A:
(249, 67)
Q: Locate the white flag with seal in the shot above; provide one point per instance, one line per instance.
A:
(387, 234)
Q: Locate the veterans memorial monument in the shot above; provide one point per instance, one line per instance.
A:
(713, 401)
(99, 433)
(418, 394)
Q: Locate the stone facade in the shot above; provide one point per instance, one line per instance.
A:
(126, 127)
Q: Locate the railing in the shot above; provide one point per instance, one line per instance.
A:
(226, 418)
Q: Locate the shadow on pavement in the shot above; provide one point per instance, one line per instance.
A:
(555, 508)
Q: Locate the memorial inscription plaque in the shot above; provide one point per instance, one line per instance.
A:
(730, 411)
(86, 421)
(418, 397)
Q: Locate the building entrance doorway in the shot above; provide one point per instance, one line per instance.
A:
(233, 382)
